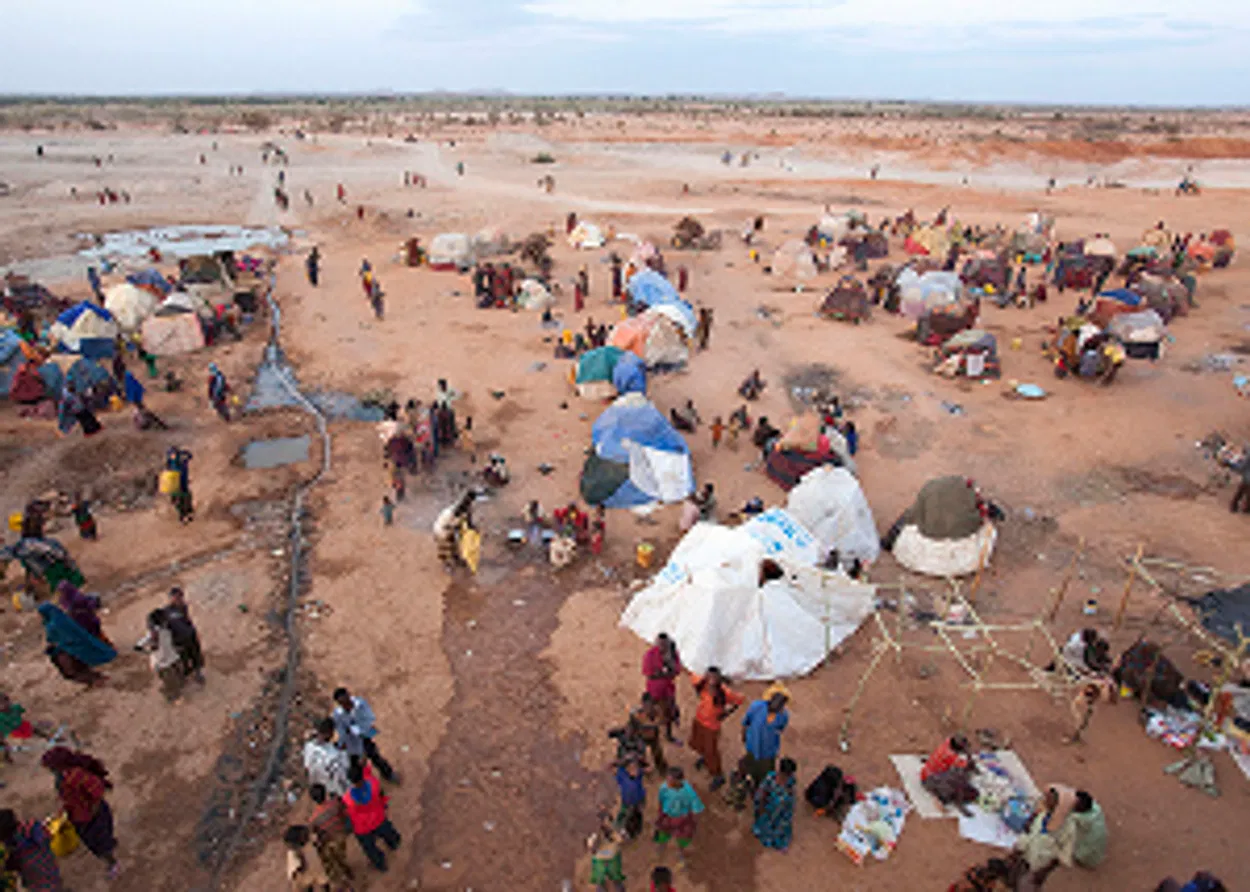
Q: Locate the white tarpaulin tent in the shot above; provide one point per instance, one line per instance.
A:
(830, 503)
(750, 600)
(586, 235)
(451, 250)
(130, 305)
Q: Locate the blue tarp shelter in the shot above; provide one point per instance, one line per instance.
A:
(638, 457)
(650, 289)
(150, 278)
(1123, 295)
(630, 374)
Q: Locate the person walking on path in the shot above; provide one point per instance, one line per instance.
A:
(680, 806)
(163, 655)
(366, 809)
(179, 460)
(27, 850)
(81, 783)
(325, 761)
(219, 391)
(312, 265)
(761, 734)
(661, 665)
(774, 808)
(186, 636)
(354, 721)
(716, 703)
(330, 827)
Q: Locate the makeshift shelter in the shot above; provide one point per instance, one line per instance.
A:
(979, 272)
(847, 301)
(920, 293)
(586, 235)
(638, 458)
(943, 533)
(1223, 610)
(130, 305)
(1225, 247)
(943, 322)
(647, 288)
(802, 448)
(84, 321)
(605, 372)
(1110, 304)
(171, 333)
(927, 241)
(491, 242)
(1101, 247)
(830, 504)
(534, 296)
(794, 259)
(972, 353)
(654, 337)
(1141, 332)
(203, 269)
(451, 252)
(749, 601)
(1167, 296)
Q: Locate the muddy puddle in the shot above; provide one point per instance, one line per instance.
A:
(275, 453)
(275, 387)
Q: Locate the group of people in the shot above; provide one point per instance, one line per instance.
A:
(762, 776)
(415, 435)
(340, 759)
(372, 287)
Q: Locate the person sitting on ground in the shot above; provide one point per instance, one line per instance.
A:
(303, 873)
(947, 773)
(1067, 828)
(764, 436)
(1084, 833)
(1087, 652)
(706, 500)
(752, 387)
(996, 875)
(1202, 881)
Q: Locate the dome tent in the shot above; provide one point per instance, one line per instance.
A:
(451, 251)
(606, 372)
(943, 533)
(750, 600)
(831, 504)
(654, 337)
(638, 457)
(84, 321)
(651, 290)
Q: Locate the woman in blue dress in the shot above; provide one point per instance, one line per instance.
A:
(774, 807)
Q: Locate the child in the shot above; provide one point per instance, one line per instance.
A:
(718, 430)
(388, 511)
(662, 880)
(303, 873)
(605, 859)
(633, 796)
(598, 530)
(852, 437)
(466, 438)
(679, 806)
(82, 517)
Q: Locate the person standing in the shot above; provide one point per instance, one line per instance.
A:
(325, 761)
(762, 726)
(219, 391)
(186, 637)
(633, 792)
(330, 827)
(312, 265)
(680, 806)
(616, 277)
(354, 721)
(366, 809)
(75, 641)
(774, 807)
(82, 517)
(179, 460)
(606, 871)
(162, 655)
(716, 703)
(81, 783)
(28, 850)
(705, 327)
(661, 665)
(683, 278)
(718, 431)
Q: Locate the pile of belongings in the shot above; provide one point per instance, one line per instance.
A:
(873, 825)
(1164, 294)
(928, 240)
(833, 228)
(803, 447)
(586, 235)
(491, 242)
(1225, 247)
(20, 295)
(1083, 349)
(25, 378)
(972, 353)
(85, 328)
(1076, 269)
(690, 234)
(750, 600)
(1112, 303)
(847, 301)
(451, 252)
(946, 532)
(607, 372)
(637, 458)
(534, 296)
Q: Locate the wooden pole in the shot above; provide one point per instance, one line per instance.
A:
(981, 562)
(1062, 591)
(1128, 586)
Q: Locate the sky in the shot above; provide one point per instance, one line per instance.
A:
(1146, 52)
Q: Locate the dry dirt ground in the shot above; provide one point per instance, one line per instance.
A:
(494, 694)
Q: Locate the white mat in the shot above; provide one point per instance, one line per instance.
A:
(927, 805)
(979, 826)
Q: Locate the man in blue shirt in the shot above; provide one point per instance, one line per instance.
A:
(354, 721)
(761, 735)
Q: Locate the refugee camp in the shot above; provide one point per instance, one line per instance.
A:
(554, 491)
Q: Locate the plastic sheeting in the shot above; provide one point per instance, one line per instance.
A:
(831, 504)
(632, 432)
(710, 599)
(130, 305)
(944, 557)
(921, 293)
